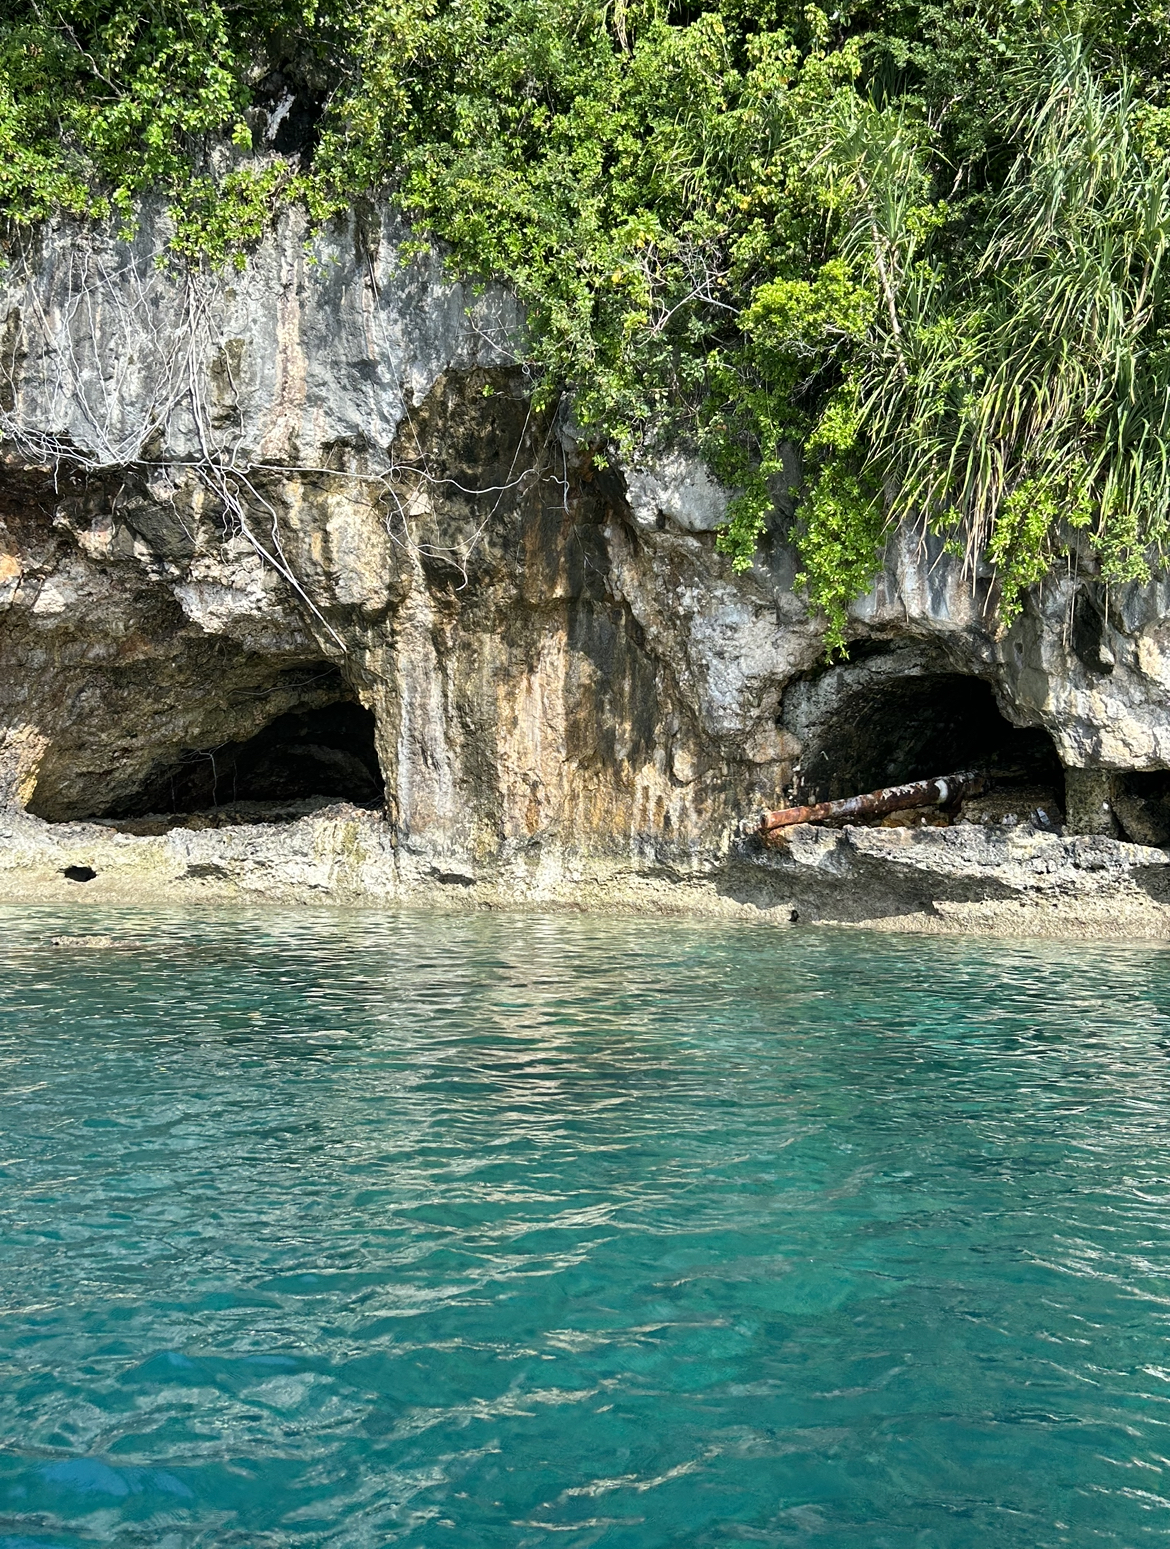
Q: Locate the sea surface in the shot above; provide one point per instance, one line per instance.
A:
(363, 1230)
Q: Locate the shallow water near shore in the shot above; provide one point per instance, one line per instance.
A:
(360, 1230)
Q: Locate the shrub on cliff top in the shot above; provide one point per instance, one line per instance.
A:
(923, 243)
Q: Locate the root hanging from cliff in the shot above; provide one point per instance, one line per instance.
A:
(131, 317)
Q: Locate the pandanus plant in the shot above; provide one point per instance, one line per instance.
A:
(1011, 396)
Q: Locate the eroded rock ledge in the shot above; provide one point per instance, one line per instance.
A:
(929, 879)
(295, 544)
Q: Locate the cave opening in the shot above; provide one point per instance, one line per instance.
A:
(917, 726)
(307, 757)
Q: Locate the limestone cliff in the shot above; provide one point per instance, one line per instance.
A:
(294, 542)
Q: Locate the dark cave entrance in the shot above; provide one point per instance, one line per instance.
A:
(320, 754)
(1141, 802)
(913, 727)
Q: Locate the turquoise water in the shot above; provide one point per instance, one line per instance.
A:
(358, 1231)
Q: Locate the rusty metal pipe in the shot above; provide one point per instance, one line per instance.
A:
(938, 792)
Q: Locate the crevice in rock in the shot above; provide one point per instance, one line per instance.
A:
(1141, 802)
(1089, 633)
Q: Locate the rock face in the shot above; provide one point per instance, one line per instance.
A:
(299, 535)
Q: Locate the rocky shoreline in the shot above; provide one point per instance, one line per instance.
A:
(1021, 881)
(308, 553)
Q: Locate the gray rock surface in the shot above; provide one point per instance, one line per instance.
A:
(320, 342)
(321, 482)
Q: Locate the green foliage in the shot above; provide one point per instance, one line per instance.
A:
(1026, 395)
(918, 249)
(100, 103)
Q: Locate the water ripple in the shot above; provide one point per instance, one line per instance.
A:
(359, 1230)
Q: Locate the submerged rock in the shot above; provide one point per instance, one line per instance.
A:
(88, 941)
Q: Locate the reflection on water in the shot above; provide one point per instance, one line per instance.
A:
(366, 1230)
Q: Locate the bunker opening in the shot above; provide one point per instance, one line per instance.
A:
(915, 727)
